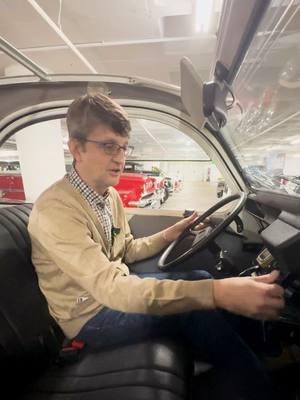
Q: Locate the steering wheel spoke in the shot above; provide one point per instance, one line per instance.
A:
(202, 234)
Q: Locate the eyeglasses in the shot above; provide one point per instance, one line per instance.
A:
(112, 149)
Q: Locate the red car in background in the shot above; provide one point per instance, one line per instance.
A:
(11, 186)
(135, 189)
(158, 179)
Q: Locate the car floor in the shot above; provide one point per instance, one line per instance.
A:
(285, 371)
(196, 195)
(285, 382)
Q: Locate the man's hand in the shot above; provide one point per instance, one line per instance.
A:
(176, 230)
(259, 297)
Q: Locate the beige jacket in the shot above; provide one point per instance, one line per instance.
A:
(79, 274)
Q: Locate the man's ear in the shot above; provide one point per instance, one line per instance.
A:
(76, 148)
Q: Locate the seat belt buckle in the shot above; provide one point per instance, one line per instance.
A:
(70, 351)
(77, 344)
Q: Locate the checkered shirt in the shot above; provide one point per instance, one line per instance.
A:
(100, 204)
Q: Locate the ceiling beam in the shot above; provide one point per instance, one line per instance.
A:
(18, 56)
(60, 33)
(121, 43)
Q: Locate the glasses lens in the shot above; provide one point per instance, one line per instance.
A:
(111, 148)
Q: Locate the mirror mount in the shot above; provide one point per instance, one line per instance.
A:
(205, 101)
(214, 98)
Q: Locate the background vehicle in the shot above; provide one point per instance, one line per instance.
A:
(222, 188)
(11, 186)
(137, 190)
(173, 184)
(158, 181)
(290, 184)
(160, 184)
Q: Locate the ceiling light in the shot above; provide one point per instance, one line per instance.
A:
(274, 147)
(203, 11)
(9, 153)
(295, 141)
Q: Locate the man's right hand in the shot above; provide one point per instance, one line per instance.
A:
(256, 297)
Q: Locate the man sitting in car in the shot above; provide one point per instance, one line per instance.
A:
(81, 244)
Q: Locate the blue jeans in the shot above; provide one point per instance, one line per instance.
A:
(208, 333)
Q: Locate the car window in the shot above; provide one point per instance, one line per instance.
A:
(167, 169)
(263, 130)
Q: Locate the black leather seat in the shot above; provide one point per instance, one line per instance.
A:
(30, 341)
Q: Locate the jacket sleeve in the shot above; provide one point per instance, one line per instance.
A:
(138, 249)
(66, 239)
(141, 248)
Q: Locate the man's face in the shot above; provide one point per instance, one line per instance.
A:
(97, 168)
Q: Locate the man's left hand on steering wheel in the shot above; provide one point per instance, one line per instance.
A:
(173, 232)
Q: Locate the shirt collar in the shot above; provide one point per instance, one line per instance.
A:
(86, 191)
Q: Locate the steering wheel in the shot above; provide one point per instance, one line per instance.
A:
(203, 237)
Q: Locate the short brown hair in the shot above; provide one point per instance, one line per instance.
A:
(90, 110)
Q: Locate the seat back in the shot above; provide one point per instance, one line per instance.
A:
(30, 339)
(27, 331)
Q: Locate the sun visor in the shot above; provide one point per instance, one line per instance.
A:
(192, 92)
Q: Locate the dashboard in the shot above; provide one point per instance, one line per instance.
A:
(279, 218)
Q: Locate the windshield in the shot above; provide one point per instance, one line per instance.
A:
(263, 129)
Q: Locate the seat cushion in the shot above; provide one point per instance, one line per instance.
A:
(148, 370)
